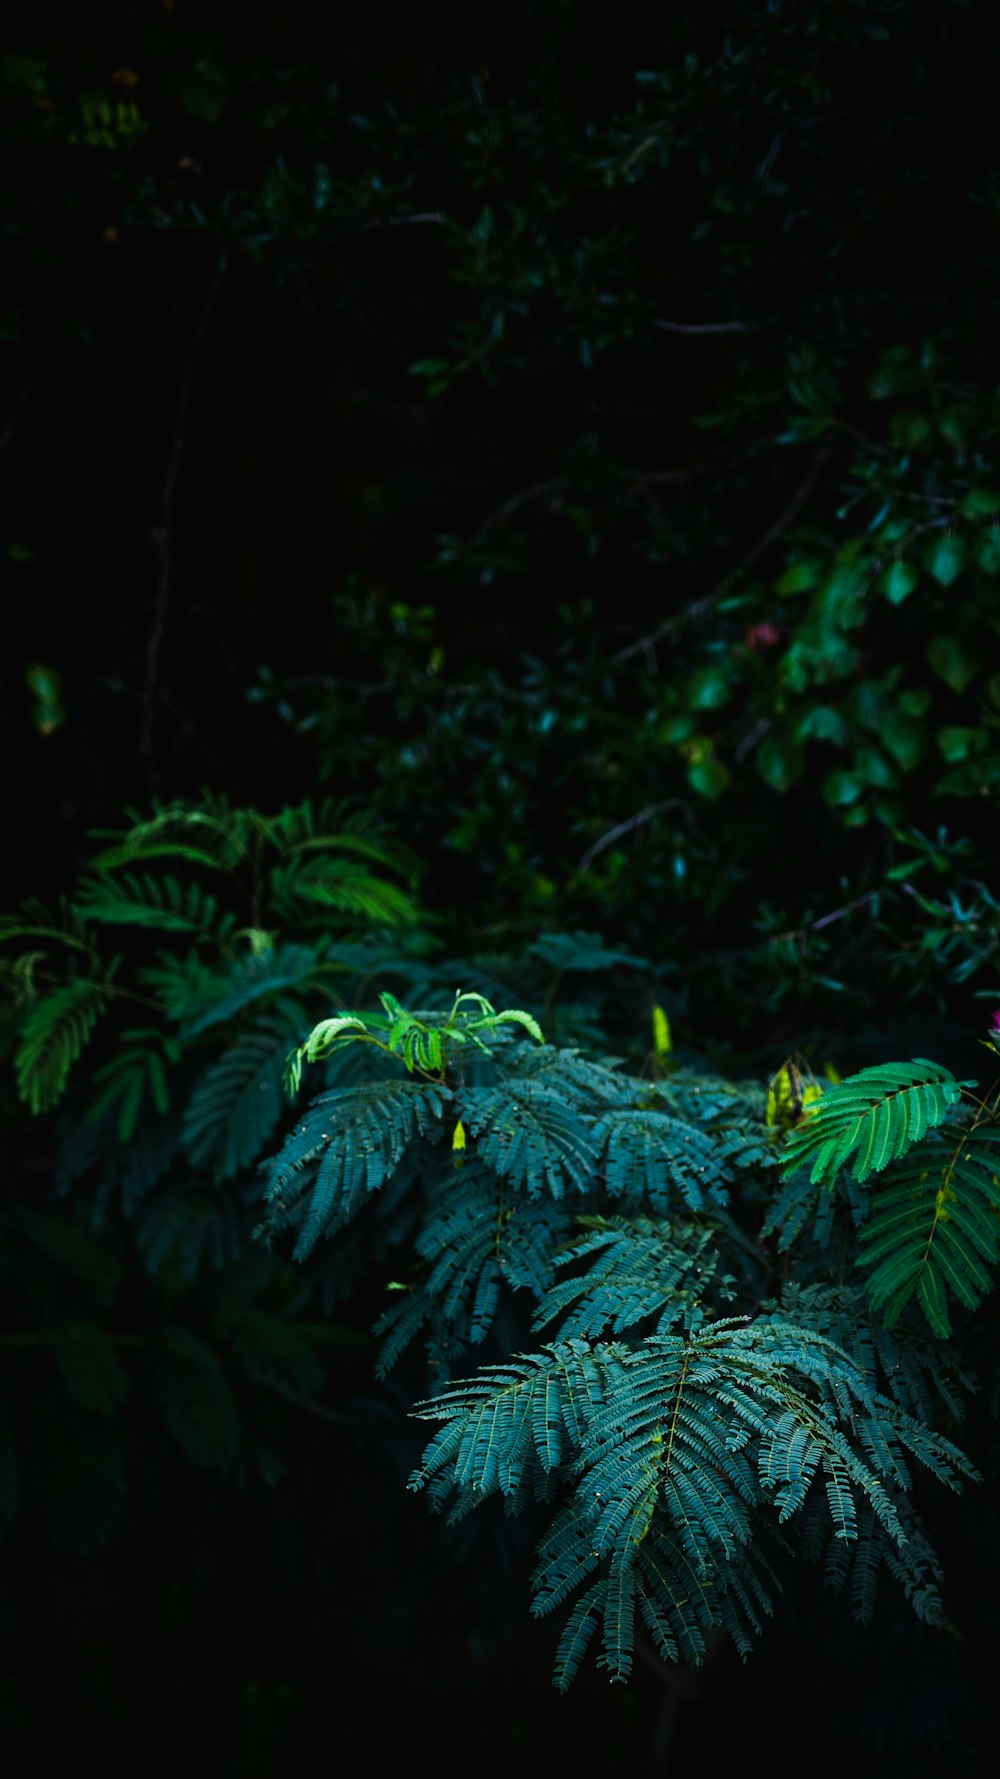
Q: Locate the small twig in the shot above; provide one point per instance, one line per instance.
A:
(699, 607)
(755, 733)
(162, 535)
(558, 485)
(700, 327)
(644, 146)
(397, 222)
(626, 827)
(826, 920)
(555, 485)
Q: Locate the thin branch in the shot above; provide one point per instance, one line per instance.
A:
(700, 327)
(556, 485)
(700, 607)
(398, 222)
(627, 827)
(162, 535)
(755, 733)
(826, 920)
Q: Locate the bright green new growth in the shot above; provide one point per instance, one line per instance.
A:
(423, 1045)
(931, 1228)
(873, 1118)
(684, 1451)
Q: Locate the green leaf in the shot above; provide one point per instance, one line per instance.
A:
(874, 1116)
(708, 689)
(125, 1079)
(52, 1037)
(915, 703)
(872, 768)
(904, 738)
(933, 1230)
(708, 777)
(780, 763)
(898, 581)
(909, 429)
(959, 743)
(840, 788)
(979, 501)
(824, 722)
(945, 559)
(237, 1102)
(799, 577)
(953, 661)
(986, 550)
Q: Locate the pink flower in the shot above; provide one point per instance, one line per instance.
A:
(761, 637)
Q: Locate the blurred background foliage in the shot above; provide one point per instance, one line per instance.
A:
(569, 446)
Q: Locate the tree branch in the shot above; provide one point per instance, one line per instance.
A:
(699, 607)
(556, 485)
(700, 327)
(626, 827)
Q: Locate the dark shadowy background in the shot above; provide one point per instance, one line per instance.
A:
(568, 436)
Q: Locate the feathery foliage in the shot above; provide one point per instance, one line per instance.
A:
(687, 1452)
(754, 1293)
(874, 1117)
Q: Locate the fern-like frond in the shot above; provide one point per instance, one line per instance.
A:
(134, 1077)
(35, 922)
(676, 1452)
(801, 1202)
(873, 1117)
(52, 1035)
(934, 1228)
(681, 1602)
(198, 997)
(158, 903)
(478, 1240)
(709, 1099)
(184, 1233)
(654, 1158)
(350, 1140)
(329, 826)
(586, 952)
(238, 1101)
(512, 1418)
(636, 1270)
(592, 1086)
(462, 1242)
(211, 834)
(321, 885)
(528, 1134)
(911, 1368)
